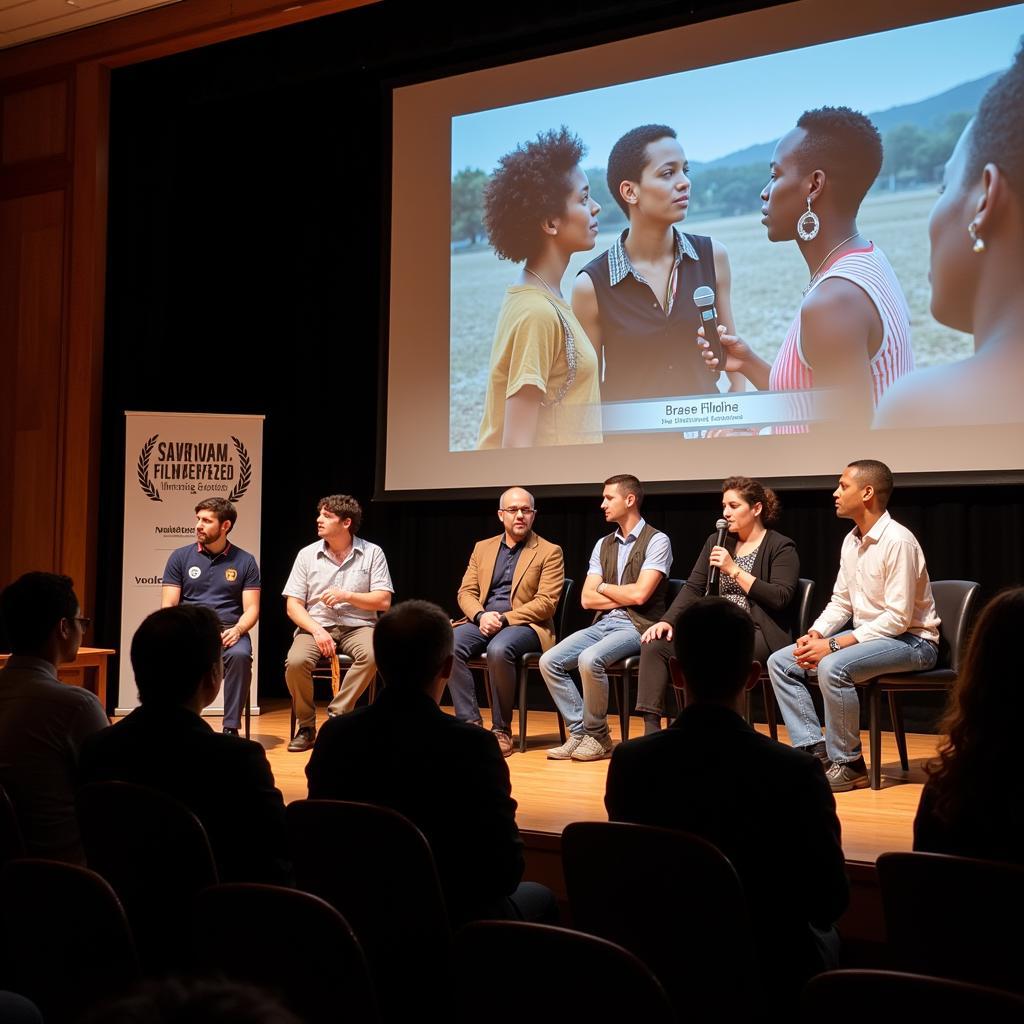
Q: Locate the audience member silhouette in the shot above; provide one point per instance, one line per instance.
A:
(766, 806)
(971, 805)
(43, 722)
(448, 777)
(224, 780)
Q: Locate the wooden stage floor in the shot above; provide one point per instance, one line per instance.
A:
(553, 793)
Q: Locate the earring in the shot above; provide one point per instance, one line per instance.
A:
(979, 243)
(808, 225)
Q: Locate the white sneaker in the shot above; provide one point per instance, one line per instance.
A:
(591, 748)
(567, 749)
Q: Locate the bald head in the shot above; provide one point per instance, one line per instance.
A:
(516, 513)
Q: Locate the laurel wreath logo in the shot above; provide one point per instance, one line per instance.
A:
(142, 470)
(244, 471)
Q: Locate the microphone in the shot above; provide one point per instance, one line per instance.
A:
(722, 526)
(704, 300)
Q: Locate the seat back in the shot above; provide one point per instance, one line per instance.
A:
(674, 586)
(12, 843)
(542, 963)
(247, 932)
(564, 602)
(64, 938)
(376, 868)
(692, 937)
(154, 852)
(804, 596)
(955, 917)
(955, 602)
(870, 995)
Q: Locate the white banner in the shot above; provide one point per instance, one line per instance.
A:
(172, 462)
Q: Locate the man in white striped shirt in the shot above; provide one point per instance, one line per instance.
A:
(883, 587)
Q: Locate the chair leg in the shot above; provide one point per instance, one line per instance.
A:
(896, 715)
(624, 705)
(291, 728)
(248, 710)
(521, 676)
(874, 736)
(769, 708)
(487, 692)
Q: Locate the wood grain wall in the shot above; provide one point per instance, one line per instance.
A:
(54, 117)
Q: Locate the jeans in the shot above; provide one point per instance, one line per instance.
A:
(504, 649)
(593, 649)
(837, 674)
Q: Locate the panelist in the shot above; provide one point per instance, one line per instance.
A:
(883, 587)
(625, 588)
(758, 570)
(336, 589)
(226, 579)
(508, 595)
(635, 301)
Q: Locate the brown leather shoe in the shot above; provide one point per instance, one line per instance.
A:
(303, 739)
(504, 742)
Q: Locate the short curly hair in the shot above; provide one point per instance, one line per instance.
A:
(529, 187)
(344, 506)
(846, 146)
(997, 135)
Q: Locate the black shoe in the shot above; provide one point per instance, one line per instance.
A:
(818, 750)
(303, 739)
(228, 731)
(844, 776)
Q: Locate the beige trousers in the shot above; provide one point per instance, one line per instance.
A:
(357, 643)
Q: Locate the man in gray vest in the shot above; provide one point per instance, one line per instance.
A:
(626, 584)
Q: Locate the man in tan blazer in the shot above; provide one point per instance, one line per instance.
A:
(508, 595)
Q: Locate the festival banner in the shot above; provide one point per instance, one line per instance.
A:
(172, 462)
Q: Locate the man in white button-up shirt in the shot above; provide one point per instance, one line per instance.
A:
(336, 589)
(883, 587)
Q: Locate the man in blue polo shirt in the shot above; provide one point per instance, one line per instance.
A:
(213, 572)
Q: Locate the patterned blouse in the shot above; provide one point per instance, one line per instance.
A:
(730, 589)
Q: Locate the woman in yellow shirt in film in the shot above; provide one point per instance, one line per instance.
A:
(542, 387)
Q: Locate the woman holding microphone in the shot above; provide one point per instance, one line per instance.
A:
(758, 569)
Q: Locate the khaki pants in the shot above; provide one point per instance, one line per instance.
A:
(357, 643)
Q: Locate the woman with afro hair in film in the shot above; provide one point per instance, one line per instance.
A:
(542, 386)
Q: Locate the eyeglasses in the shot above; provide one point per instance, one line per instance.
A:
(516, 511)
(82, 621)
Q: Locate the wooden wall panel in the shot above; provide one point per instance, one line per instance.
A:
(32, 234)
(34, 123)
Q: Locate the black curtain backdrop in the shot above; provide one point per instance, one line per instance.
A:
(247, 273)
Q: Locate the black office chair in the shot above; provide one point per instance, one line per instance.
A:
(155, 854)
(955, 602)
(377, 869)
(545, 960)
(247, 933)
(803, 597)
(954, 917)
(527, 663)
(622, 673)
(695, 936)
(881, 995)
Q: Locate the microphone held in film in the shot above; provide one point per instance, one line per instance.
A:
(704, 300)
(722, 526)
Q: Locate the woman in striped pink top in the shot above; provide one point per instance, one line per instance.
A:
(977, 267)
(852, 331)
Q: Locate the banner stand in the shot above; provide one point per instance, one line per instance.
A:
(172, 462)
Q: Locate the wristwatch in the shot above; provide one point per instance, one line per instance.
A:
(833, 645)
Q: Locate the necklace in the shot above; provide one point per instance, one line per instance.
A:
(817, 270)
(546, 285)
